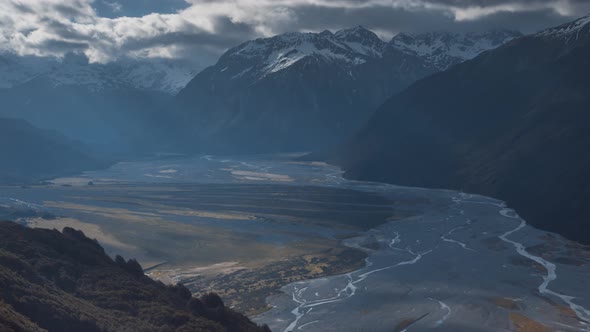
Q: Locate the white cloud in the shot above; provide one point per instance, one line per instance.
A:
(562, 7)
(115, 6)
(54, 27)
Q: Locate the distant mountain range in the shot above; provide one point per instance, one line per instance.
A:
(159, 75)
(115, 119)
(31, 154)
(299, 91)
(117, 106)
(443, 50)
(296, 91)
(511, 123)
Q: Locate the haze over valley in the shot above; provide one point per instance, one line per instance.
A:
(294, 166)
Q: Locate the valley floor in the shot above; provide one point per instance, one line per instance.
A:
(322, 253)
(224, 226)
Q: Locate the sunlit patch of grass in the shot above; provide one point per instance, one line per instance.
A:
(525, 324)
(506, 303)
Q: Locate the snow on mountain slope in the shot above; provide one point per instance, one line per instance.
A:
(269, 55)
(161, 75)
(361, 41)
(443, 50)
(574, 29)
(355, 46)
(257, 58)
(15, 70)
(304, 91)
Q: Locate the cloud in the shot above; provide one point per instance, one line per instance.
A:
(115, 7)
(199, 30)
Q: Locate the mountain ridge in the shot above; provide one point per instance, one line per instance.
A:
(30, 154)
(506, 122)
(295, 91)
(159, 75)
(357, 44)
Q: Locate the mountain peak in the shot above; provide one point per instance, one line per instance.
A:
(326, 33)
(574, 29)
(263, 56)
(361, 40)
(359, 29)
(444, 49)
(354, 46)
(357, 33)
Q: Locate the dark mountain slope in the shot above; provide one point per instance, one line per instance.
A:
(29, 154)
(512, 123)
(116, 119)
(65, 282)
(117, 107)
(302, 91)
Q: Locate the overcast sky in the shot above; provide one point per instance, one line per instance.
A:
(200, 30)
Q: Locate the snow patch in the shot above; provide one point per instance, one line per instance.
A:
(568, 31)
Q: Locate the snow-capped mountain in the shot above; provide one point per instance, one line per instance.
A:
(162, 75)
(572, 31)
(356, 46)
(297, 88)
(511, 123)
(269, 55)
(443, 50)
(112, 104)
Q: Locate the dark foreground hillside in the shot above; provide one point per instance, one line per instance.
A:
(512, 123)
(65, 282)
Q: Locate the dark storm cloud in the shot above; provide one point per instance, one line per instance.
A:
(62, 46)
(200, 30)
(72, 10)
(393, 20)
(489, 3)
(23, 8)
(224, 26)
(65, 31)
(526, 22)
(182, 38)
(196, 42)
(137, 8)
